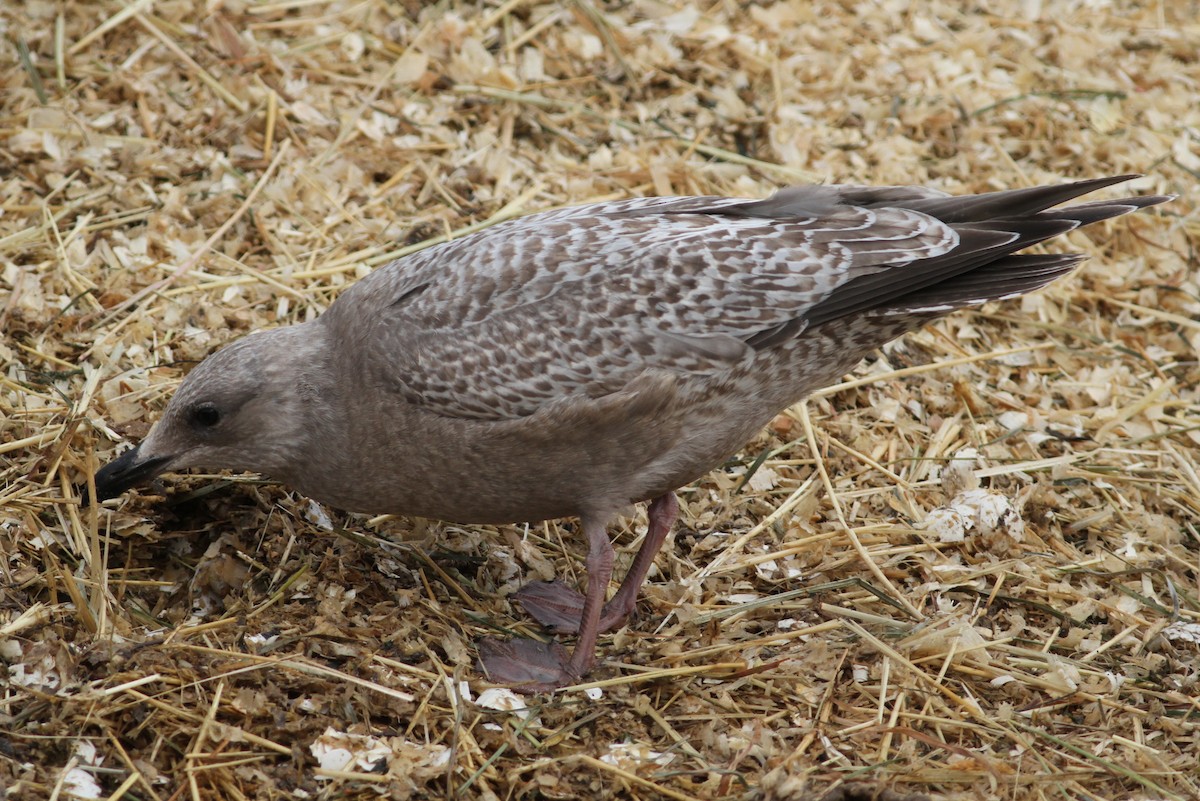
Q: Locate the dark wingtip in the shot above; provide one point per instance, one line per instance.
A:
(1154, 200)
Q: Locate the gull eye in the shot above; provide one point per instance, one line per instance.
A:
(204, 415)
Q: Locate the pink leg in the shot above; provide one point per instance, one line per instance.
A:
(539, 666)
(559, 608)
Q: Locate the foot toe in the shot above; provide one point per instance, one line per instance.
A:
(525, 664)
(553, 604)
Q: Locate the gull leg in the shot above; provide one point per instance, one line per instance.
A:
(660, 516)
(542, 666)
(559, 607)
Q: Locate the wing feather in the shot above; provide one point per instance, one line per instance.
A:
(581, 301)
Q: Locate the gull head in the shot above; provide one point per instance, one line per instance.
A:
(244, 408)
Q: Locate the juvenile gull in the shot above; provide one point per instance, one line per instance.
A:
(576, 361)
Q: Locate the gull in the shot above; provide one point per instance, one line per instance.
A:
(574, 362)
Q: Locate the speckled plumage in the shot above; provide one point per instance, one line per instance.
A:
(579, 360)
(585, 298)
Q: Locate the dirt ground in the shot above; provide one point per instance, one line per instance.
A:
(829, 619)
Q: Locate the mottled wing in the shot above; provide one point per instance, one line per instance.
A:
(580, 301)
